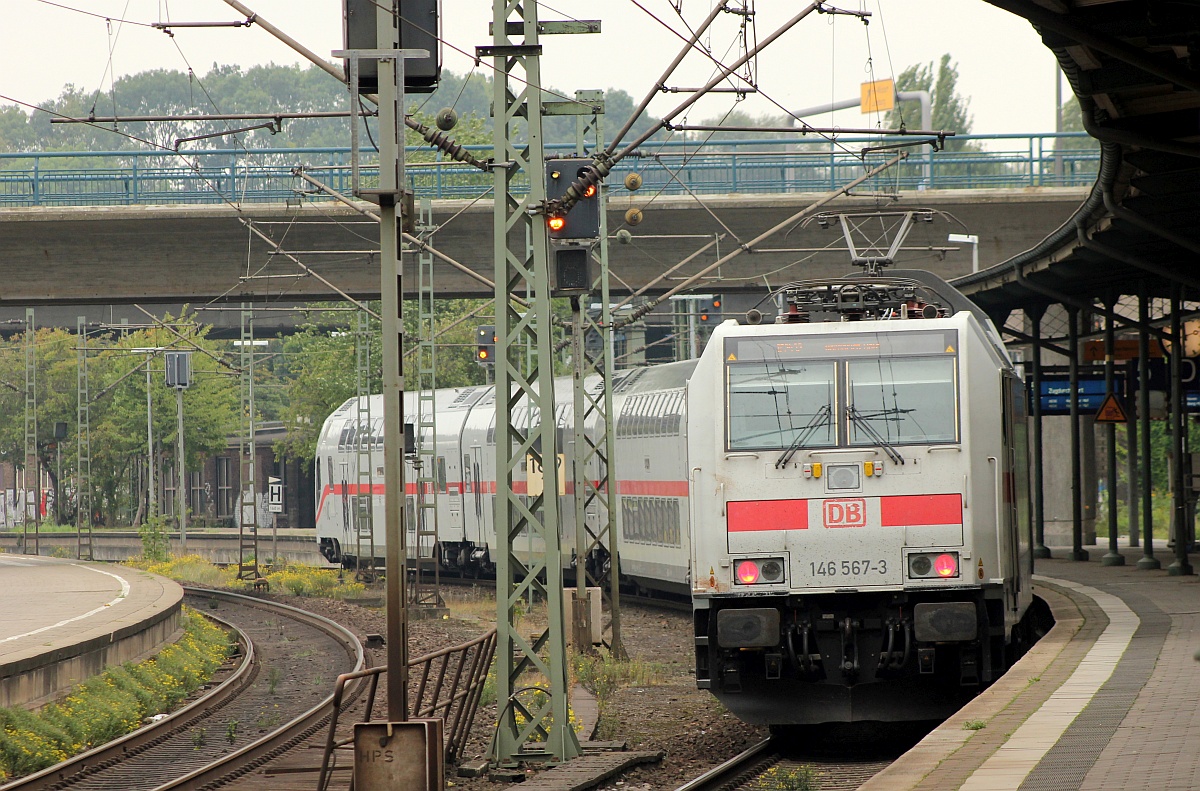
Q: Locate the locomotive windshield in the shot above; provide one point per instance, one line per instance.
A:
(848, 389)
(772, 404)
(902, 401)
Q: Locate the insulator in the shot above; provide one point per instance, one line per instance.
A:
(633, 181)
(634, 216)
(446, 145)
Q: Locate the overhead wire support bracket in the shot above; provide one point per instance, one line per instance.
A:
(166, 27)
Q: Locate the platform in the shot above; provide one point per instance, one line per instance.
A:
(65, 620)
(1105, 701)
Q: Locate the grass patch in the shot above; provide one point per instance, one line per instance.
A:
(111, 704)
(603, 675)
(974, 725)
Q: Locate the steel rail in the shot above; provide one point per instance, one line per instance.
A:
(270, 746)
(723, 774)
(229, 766)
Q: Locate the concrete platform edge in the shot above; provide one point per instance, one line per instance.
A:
(34, 681)
(945, 740)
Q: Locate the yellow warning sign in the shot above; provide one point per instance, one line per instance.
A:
(878, 96)
(731, 356)
(949, 350)
(1111, 410)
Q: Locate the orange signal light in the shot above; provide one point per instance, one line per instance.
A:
(703, 317)
(556, 222)
(590, 191)
(483, 354)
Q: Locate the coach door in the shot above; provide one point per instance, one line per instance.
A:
(1013, 484)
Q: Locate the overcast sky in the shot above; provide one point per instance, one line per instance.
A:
(1005, 71)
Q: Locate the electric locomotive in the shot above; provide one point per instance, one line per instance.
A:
(859, 505)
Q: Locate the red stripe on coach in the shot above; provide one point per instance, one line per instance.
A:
(920, 509)
(752, 515)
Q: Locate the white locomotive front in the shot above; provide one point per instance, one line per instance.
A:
(859, 503)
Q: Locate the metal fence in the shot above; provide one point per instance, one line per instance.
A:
(447, 684)
(106, 178)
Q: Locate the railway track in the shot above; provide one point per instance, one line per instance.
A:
(834, 759)
(277, 696)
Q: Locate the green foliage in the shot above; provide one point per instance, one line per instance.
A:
(111, 704)
(603, 675)
(974, 725)
(230, 89)
(950, 111)
(155, 542)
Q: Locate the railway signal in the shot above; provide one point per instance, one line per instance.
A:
(485, 345)
(708, 311)
(583, 219)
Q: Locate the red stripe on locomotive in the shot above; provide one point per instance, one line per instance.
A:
(920, 509)
(752, 515)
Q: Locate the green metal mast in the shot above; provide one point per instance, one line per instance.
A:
(517, 107)
(83, 445)
(426, 592)
(248, 454)
(596, 549)
(32, 465)
(364, 511)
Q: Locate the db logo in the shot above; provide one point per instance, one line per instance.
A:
(845, 513)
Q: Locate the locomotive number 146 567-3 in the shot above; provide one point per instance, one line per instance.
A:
(847, 568)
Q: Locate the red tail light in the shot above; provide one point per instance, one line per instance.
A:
(946, 565)
(747, 572)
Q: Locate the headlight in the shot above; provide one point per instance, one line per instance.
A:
(933, 565)
(842, 476)
(758, 571)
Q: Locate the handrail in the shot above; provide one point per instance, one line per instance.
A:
(767, 165)
(458, 705)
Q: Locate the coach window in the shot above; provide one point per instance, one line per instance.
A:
(772, 404)
(903, 400)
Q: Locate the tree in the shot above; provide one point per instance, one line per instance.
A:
(950, 111)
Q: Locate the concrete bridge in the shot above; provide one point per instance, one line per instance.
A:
(174, 233)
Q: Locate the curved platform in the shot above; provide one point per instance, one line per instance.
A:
(1104, 701)
(65, 620)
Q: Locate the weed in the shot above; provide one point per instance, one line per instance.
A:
(197, 738)
(273, 679)
(786, 778)
(231, 731)
(155, 544)
(268, 722)
(974, 725)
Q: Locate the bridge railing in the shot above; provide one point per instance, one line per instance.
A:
(772, 165)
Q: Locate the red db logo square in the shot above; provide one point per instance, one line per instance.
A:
(845, 513)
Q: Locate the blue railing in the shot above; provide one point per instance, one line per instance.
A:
(73, 178)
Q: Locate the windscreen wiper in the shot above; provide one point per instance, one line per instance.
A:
(822, 417)
(863, 422)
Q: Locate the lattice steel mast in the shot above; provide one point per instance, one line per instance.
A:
(364, 441)
(596, 550)
(32, 465)
(426, 591)
(516, 49)
(248, 456)
(83, 445)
